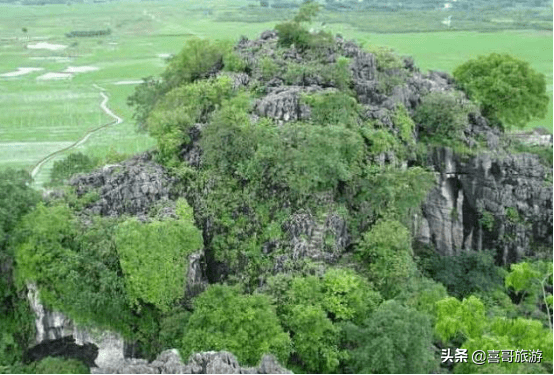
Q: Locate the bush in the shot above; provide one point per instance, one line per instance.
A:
(292, 32)
(387, 250)
(17, 198)
(394, 340)
(197, 60)
(76, 271)
(170, 121)
(507, 89)
(154, 257)
(72, 164)
(333, 108)
(466, 273)
(55, 365)
(246, 325)
(442, 116)
(312, 308)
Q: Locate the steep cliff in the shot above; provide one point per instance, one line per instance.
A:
(493, 200)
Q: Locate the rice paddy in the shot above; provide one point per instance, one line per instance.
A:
(47, 97)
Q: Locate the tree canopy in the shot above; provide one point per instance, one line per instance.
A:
(507, 89)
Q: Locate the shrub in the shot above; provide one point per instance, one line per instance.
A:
(169, 123)
(466, 273)
(246, 325)
(292, 32)
(55, 365)
(405, 125)
(72, 164)
(197, 60)
(442, 116)
(17, 198)
(394, 339)
(333, 108)
(153, 257)
(387, 249)
(267, 68)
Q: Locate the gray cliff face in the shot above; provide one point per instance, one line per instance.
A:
(169, 362)
(53, 325)
(491, 201)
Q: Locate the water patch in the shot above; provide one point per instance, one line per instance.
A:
(48, 46)
(135, 82)
(54, 76)
(21, 72)
(80, 69)
(53, 58)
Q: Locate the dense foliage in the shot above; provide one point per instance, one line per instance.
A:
(305, 227)
(442, 116)
(153, 257)
(507, 89)
(16, 199)
(63, 169)
(246, 325)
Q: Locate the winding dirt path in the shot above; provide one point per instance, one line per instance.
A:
(117, 120)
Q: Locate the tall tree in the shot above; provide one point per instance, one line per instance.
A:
(507, 89)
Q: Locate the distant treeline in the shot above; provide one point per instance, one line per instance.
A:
(87, 33)
(387, 5)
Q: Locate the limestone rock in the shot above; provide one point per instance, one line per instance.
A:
(283, 103)
(510, 187)
(131, 187)
(53, 325)
(169, 362)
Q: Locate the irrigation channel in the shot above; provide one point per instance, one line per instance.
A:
(117, 120)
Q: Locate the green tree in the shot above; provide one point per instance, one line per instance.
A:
(246, 325)
(153, 257)
(466, 273)
(67, 167)
(180, 109)
(313, 308)
(469, 321)
(387, 249)
(443, 116)
(293, 32)
(16, 199)
(506, 88)
(315, 340)
(531, 279)
(394, 339)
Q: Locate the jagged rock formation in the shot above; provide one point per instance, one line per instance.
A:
(169, 362)
(131, 187)
(511, 188)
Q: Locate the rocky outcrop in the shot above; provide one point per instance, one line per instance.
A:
(318, 239)
(169, 362)
(490, 201)
(283, 103)
(52, 326)
(131, 187)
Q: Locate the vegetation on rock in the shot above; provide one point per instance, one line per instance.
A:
(295, 178)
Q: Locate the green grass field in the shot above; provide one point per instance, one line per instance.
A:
(38, 117)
